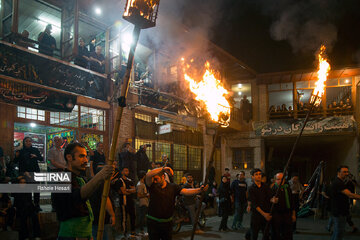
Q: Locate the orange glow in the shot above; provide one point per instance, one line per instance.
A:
(212, 94)
(143, 7)
(323, 72)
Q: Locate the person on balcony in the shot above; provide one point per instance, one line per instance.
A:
(47, 43)
(83, 56)
(97, 60)
(23, 41)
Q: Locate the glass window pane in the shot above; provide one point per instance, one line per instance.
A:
(345, 81)
(194, 158)
(337, 95)
(274, 87)
(287, 86)
(161, 149)
(331, 82)
(304, 95)
(313, 84)
(180, 157)
(302, 84)
(279, 98)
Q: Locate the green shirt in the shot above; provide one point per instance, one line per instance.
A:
(80, 226)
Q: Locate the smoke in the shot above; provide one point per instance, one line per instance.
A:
(304, 24)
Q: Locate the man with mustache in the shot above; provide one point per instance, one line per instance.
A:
(73, 209)
(162, 202)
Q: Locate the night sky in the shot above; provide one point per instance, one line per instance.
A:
(243, 29)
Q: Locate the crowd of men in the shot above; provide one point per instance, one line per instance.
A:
(145, 193)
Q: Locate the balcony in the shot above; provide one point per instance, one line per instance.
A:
(39, 71)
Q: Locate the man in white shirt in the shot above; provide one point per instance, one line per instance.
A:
(56, 156)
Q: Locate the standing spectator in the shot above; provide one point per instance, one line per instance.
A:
(83, 56)
(126, 189)
(259, 196)
(340, 202)
(28, 162)
(127, 158)
(47, 43)
(23, 40)
(97, 60)
(284, 214)
(190, 201)
(351, 185)
(224, 193)
(227, 174)
(296, 190)
(97, 158)
(162, 202)
(143, 196)
(245, 108)
(55, 156)
(73, 209)
(95, 201)
(142, 159)
(26, 210)
(211, 172)
(239, 188)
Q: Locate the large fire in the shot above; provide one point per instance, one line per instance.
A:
(323, 72)
(210, 91)
(143, 7)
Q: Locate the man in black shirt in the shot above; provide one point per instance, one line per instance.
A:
(259, 196)
(97, 157)
(73, 209)
(127, 158)
(340, 202)
(142, 159)
(126, 189)
(239, 188)
(97, 60)
(283, 214)
(83, 55)
(162, 202)
(47, 43)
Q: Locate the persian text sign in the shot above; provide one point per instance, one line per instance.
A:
(293, 127)
(165, 129)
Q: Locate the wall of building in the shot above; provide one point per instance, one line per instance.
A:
(7, 113)
(241, 140)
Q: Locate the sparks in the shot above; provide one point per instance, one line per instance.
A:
(323, 72)
(211, 92)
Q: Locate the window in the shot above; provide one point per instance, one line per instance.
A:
(30, 113)
(92, 118)
(160, 149)
(337, 96)
(180, 160)
(194, 158)
(149, 150)
(243, 158)
(280, 94)
(65, 119)
(92, 139)
(143, 117)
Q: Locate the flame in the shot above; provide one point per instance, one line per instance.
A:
(323, 72)
(210, 91)
(144, 7)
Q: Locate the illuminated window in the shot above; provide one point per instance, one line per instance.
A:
(92, 118)
(30, 113)
(243, 158)
(178, 176)
(180, 160)
(66, 119)
(194, 158)
(160, 149)
(143, 117)
(92, 139)
(149, 151)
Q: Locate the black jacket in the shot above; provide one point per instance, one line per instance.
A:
(142, 161)
(26, 162)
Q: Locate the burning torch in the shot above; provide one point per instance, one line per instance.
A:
(143, 14)
(315, 100)
(210, 92)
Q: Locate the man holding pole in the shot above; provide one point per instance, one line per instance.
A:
(283, 215)
(259, 196)
(73, 209)
(162, 202)
(340, 202)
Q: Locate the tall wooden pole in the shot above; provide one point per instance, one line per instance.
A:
(312, 105)
(120, 109)
(205, 182)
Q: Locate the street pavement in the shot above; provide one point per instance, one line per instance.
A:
(308, 228)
